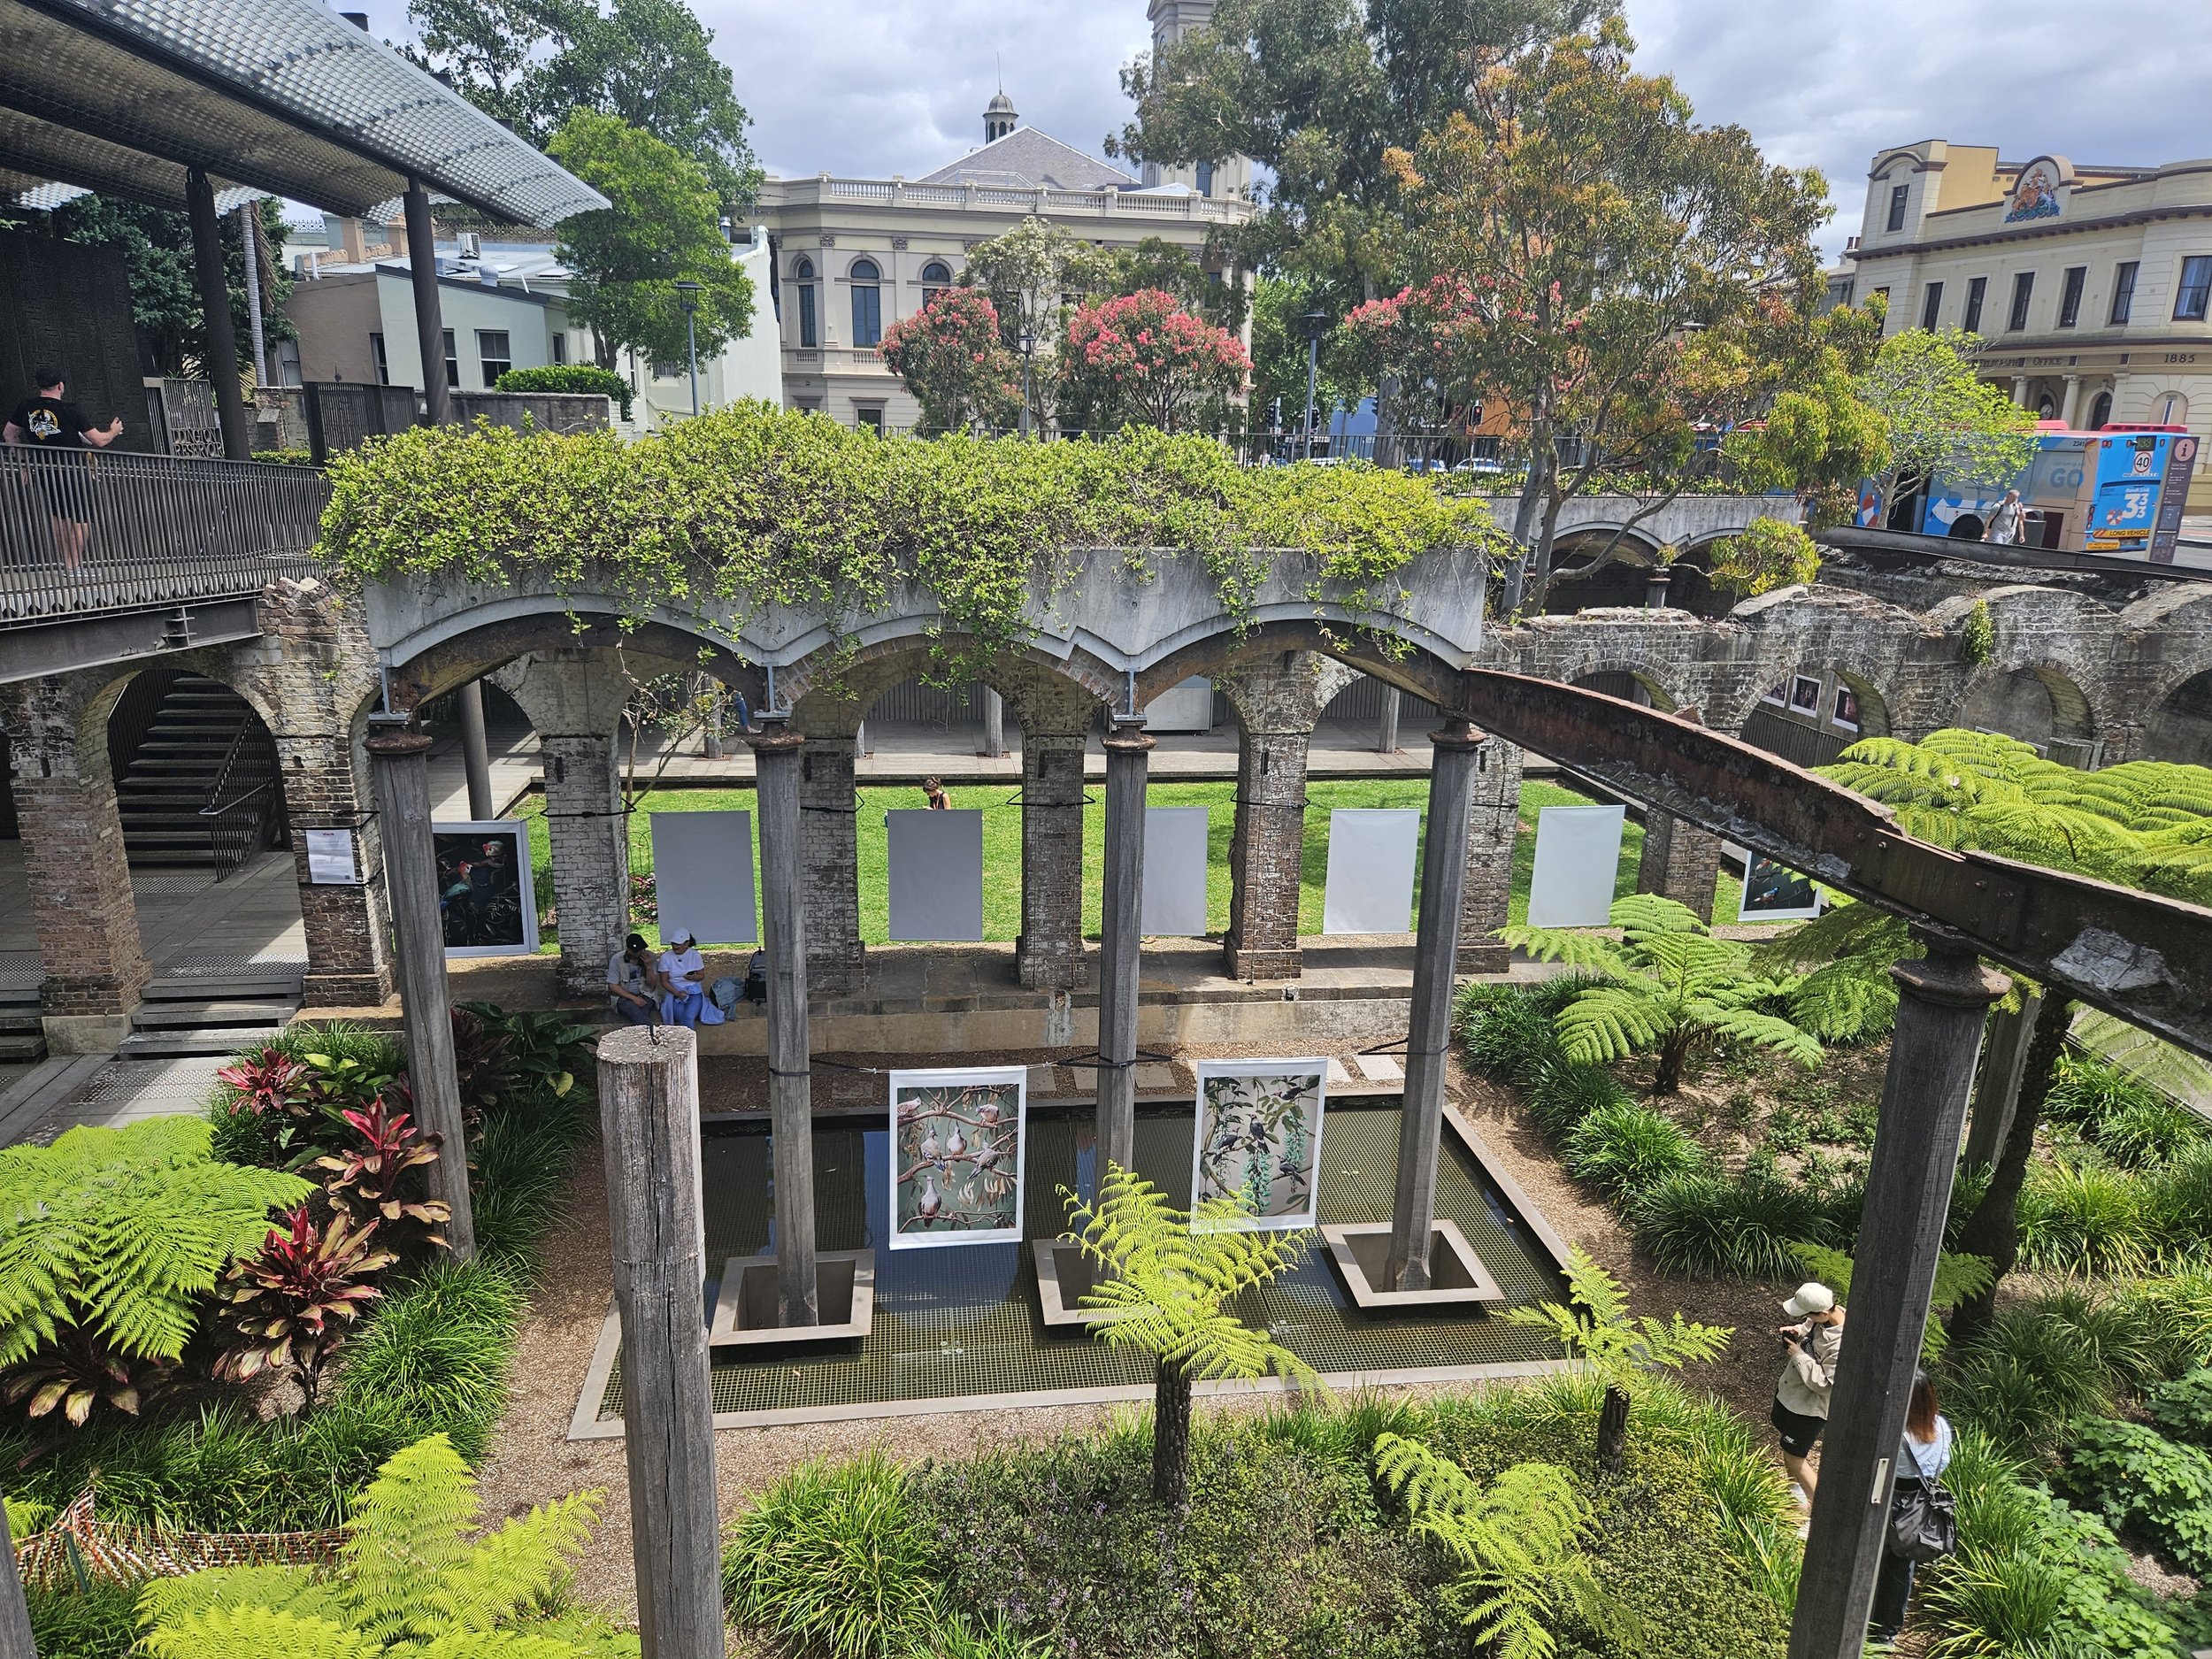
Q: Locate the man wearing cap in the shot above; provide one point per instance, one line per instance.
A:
(683, 970)
(1800, 1397)
(634, 984)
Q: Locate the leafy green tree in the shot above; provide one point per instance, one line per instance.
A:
(648, 62)
(1819, 438)
(662, 227)
(1279, 308)
(1141, 358)
(1166, 1277)
(157, 247)
(2144, 824)
(1034, 276)
(1612, 273)
(111, 1242)
(1769, 553)
(407, 1580)
(1670, 988)
(1937, 413)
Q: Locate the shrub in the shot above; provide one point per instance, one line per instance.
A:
(833, 1559)
(2183, 1407)
(436, 1352)
(2136, 1479)
(1561, 1093)
(1625, 1149)
(97, 1620)
(568, 377)
(2177, 1206)
(2039, 1366)
(2082, 1218)
(1705, 1224)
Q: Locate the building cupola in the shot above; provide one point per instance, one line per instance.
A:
(999, 118)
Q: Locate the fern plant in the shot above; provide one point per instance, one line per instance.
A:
(1957, 1277)
(1668, 987)
(1615, 1345)
(407, 1580)
(1169, 1278)
(1519, 1543)
(111, 1241)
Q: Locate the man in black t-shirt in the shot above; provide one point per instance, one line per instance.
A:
(44, 422)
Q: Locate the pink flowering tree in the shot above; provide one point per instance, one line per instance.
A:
(1140, 358)
(951, 358)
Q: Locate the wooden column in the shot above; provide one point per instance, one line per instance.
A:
(1386, 731)
(1128, 761)
(994, 724)
(649, 1125)
(1997, 1083)
(422, 270)
(15, 1616)
(1429, 1030)
(410, 884)
(783, 936)
(1940, 1008)
(222, 337)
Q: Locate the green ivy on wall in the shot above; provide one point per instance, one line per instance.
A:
(751, 506)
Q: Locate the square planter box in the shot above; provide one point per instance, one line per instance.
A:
(1065, 1276)
(1456, 1275)
(745, 1308)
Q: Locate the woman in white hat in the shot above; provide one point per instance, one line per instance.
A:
(1801, 1395)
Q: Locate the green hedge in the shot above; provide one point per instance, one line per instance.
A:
(569, 377)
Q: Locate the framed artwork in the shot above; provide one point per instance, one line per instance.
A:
(1805, 695)
(1776, 893)
(1776, 694)
(1845, 714)
(485, 901)
(956, 1144)
(1258, 1138)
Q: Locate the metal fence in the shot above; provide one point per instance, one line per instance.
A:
(83, 530)
(343, 415)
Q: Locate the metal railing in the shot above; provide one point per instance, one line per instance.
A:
(238, 802)
(85, 531)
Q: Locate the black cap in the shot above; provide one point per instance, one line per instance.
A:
(636, 941)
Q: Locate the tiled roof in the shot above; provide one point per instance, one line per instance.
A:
(1027, 159)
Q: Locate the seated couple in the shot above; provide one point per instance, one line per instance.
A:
(672, 986)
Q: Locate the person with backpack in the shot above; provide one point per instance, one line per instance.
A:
(1922, 1518)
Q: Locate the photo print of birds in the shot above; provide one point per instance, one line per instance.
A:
(955, 1156)
(1259, 1138)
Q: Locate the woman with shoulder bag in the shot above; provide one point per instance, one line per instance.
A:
(1923, 1522)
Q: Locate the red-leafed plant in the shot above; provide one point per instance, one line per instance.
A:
(368, 1180)
(269, 1082)
(951, 358)
(290, 1307)
(483, 1062)
(78, 1369)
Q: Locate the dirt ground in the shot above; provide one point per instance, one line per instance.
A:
(532, 1460)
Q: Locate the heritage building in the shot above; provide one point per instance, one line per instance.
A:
(2091, 287)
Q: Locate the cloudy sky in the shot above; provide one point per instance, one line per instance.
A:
(876, 87)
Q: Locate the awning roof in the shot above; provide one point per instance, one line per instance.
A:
(283, 97)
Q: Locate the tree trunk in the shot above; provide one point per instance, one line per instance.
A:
(1170, 1436)
(1993, 1230)
(1674, 1057)
(1612, 1429)
(1533, 488)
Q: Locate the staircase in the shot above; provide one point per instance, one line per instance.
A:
(203, 746)
(198, 1016)
(21, 1037)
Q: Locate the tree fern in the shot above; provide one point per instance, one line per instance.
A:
(1519, 1542)
(1169, 1278)
(124, 1232)
(407, 1580)
(1599, 1330)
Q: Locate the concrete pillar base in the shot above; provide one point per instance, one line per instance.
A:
(85, 1033)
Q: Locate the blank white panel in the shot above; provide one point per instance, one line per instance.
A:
(702, 876)
(1184, 707)
(1577, 861)
(1174, 871)
(935, 863)
(1371, 870)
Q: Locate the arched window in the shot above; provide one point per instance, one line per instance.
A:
(867, 304)
(936, 277)
(810, 331)
(2100, 413)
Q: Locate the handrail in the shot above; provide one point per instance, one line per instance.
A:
(232, 828)
(89, 531)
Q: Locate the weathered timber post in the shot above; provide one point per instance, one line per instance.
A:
(1942, 1002)
(411, 885)
(1997, 1087)
(15, 1616)
(1387, 734)
(1429, 1030)
(422, 271)
(649, 1121)
(476, 759)
(1128, 762)
(783, 936)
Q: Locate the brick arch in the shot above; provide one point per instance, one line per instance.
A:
(2073, 716)
(1662, 698)
(458, 659)
(832, 693)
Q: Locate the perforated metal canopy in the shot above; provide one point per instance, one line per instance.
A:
(283, 97)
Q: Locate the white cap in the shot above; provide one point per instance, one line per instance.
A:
(1810, 1298)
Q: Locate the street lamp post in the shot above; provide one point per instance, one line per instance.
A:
(1317, 324)
(1029, 394)
(687, 296)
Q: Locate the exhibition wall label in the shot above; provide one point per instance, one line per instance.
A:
(957, 1146)
(935, 865)
(1371, 853)
(1577, 861)
(1258, 1140)
(702, 876)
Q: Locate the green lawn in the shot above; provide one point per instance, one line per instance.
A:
(1002, 844)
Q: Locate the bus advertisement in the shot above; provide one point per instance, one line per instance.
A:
(2103, 493)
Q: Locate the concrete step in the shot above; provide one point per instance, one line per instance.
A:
(248, 985)
(167, 840)
(26, 1102)
(182, 1015)
(175, 1045)
(20, 1047)
(18, 1017)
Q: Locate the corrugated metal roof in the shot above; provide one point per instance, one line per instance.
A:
(282, 95)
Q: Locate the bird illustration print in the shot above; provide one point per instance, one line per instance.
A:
(955, 1145)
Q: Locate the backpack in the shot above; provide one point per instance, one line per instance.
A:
(1924, 1520)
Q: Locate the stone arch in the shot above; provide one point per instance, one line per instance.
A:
(2036, 701)
(1620, 585)
(2178, 723)
(1631, 684)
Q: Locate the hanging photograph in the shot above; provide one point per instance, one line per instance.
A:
(1805, 695)
(1776, 893)
(1845, 714)
(956, 1143)
(1259, 1139)
(485, 901)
